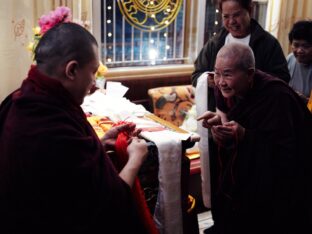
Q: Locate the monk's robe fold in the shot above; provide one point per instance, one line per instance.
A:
(54, 173)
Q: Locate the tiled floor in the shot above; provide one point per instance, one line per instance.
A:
(204, 221)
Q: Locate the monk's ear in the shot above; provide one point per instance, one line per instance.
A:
(250, 72)
(71, 69)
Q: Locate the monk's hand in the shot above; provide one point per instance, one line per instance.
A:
(137, 150)
(111, 135)
(228, 134)
(237, 129)
(136, 132)
(209, 119)
(223, 135)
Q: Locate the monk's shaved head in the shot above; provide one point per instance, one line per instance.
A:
(63, 43)
(242, 55)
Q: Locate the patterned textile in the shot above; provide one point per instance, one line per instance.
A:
(172, 102)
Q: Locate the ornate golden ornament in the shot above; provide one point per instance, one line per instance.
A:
(150, 15)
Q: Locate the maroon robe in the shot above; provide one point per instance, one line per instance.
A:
(54, 173)
(264, 183)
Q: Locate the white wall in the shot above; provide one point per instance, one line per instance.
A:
(16, 30)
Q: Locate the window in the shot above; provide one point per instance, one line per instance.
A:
(213, 20)
(124, 44)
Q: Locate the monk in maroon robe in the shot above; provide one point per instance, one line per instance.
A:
(55, 175)
(263, 131)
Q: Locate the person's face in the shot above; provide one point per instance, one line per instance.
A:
(85, 78)
(235, 19)
(302, 51)
(231, 80)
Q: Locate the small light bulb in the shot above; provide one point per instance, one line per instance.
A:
(152, 54)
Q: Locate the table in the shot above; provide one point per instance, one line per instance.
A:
(170, 213)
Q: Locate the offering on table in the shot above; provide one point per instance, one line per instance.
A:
(100, 124)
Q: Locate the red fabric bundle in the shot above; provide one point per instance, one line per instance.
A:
(138, 194)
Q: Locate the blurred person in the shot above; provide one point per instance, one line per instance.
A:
(264, 163)
(55, 174)
(300, 60)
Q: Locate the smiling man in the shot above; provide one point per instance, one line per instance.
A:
(263, 133)
(300, 60)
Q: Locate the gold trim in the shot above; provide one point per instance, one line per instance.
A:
(165, 123)
(150, 15)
